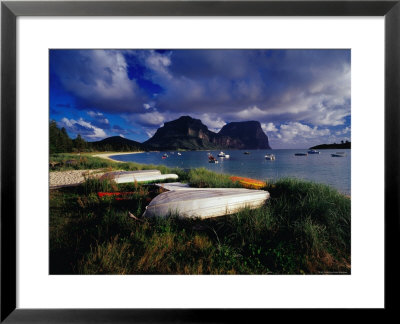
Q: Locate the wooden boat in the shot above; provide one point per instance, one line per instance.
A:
(300, 154)
(204, 203)
(138, 176)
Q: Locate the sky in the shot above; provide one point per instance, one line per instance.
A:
(301, 97)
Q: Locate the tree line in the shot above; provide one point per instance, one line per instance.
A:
(60, 142)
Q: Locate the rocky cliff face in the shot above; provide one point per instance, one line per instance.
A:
(248, 134)
(191, 134)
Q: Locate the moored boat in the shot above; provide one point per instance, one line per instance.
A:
(221, 154)
(313, 152)
(270, 157)
(338, 154)
(212, 159)
(300, 154)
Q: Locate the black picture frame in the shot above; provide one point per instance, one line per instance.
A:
(10, 10)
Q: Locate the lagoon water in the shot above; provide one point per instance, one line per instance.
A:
(322, 168)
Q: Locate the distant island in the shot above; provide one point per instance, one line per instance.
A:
(184, 133)
(342, 145)
(188, 133)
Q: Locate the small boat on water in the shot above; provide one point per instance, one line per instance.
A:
(204, 203)
(313, 152)
(179, 153)
(338, 154)
(300, 154)
(221, 154)
(165, 155)
(246, 153)
(226, 156)
(270, 157)
(212, 159)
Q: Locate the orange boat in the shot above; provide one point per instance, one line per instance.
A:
(249, 183)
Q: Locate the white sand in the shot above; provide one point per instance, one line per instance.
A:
(72, 177)
(108, 156)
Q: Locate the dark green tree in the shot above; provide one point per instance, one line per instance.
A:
(59, 140)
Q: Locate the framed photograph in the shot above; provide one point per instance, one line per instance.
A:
(163, 158)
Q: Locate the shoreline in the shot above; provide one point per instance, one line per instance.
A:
(108, 156)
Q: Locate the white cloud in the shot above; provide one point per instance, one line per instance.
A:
(84, 128)
(158, 63)
(94, 114)
(250, 113)
(298, 132)
(343, 131)
(153, 118)
(213, 122)
(270, 127)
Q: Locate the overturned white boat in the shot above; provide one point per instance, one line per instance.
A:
(138, 176)
(204, 203)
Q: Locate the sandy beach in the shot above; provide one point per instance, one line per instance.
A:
(108, 156)
(60, 179)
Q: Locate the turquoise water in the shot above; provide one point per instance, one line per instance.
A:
(322, 168)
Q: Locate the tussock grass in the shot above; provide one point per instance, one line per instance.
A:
(203, 178)
(303, 228)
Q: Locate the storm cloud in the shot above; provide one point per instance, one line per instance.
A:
(282, 89)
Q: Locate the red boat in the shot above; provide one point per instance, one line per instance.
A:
(212, 159)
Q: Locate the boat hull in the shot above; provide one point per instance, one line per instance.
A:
(138, 176)
(204, 203)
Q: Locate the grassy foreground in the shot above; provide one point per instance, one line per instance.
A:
(303, 228)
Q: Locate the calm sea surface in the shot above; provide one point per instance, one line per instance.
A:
(322, 168)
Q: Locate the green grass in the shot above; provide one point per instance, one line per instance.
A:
(203, 178)
(303, 228)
